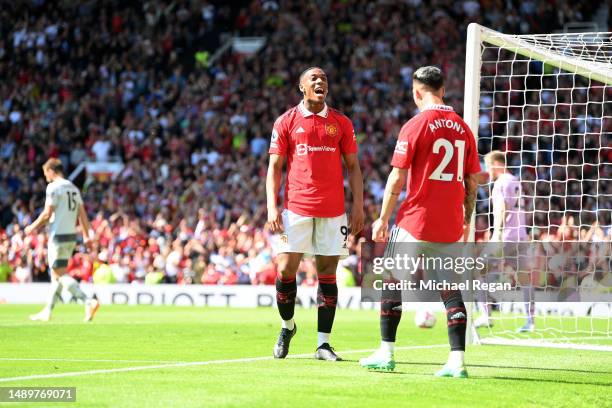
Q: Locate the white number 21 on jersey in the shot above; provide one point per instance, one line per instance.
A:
(449, 151)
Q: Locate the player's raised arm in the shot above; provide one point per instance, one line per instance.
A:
(273, 183)
(355, 180)
(394, 187)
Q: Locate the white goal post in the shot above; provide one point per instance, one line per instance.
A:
(546, 101)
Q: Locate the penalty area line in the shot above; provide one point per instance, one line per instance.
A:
(188, 364)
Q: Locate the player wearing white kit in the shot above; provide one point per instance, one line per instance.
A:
(63, 206)
(509, 229)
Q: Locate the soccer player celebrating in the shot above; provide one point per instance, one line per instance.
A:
(314, 139)
(63, 206)
(436, 152)
(509, 228)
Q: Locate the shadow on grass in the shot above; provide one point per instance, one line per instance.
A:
(502, 378)
(573, 370)
(344, 360)
(386, 372)
(542, 380)
(438, 364)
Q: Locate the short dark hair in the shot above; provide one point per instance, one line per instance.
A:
(429, 76)
(55, 165)
(308, 69)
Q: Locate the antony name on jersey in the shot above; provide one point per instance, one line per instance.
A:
(439, 149)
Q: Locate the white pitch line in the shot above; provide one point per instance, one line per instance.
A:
(75, 323)
(189, 364)
(85, 360)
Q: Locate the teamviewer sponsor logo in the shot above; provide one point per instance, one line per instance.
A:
(303, 149)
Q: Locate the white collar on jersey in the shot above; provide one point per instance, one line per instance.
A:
(437, 106)
(306, 113)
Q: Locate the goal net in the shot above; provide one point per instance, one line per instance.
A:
(545, 101)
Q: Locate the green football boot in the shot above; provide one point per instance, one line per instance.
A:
(446, 371)
(378, 361)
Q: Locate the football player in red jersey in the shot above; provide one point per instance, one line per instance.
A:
(436, 152)
(313, 139)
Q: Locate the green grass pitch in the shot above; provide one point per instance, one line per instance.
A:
(148, 356)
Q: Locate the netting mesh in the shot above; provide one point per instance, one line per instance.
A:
(587, 47)
(555, 127)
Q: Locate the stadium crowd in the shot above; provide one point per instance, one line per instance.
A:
(111, 80)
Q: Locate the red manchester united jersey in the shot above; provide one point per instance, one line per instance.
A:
(439, 149)
(314, 145)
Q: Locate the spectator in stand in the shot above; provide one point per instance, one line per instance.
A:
(122, 77)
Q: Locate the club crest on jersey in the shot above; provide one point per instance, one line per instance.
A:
(331, 130)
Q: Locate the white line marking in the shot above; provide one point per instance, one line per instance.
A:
(84, 360)
(189, 364)
(76, 323)
(543, 343)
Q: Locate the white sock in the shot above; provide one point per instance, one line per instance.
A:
(322, 338)
(387, 347)
(73, 287)
(54, 295)
(455, 359)
(288, 324)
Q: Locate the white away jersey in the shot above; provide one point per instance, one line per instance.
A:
(507, 192)
(65, 199)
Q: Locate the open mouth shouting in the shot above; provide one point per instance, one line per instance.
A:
(313, 83)
(319, 92)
